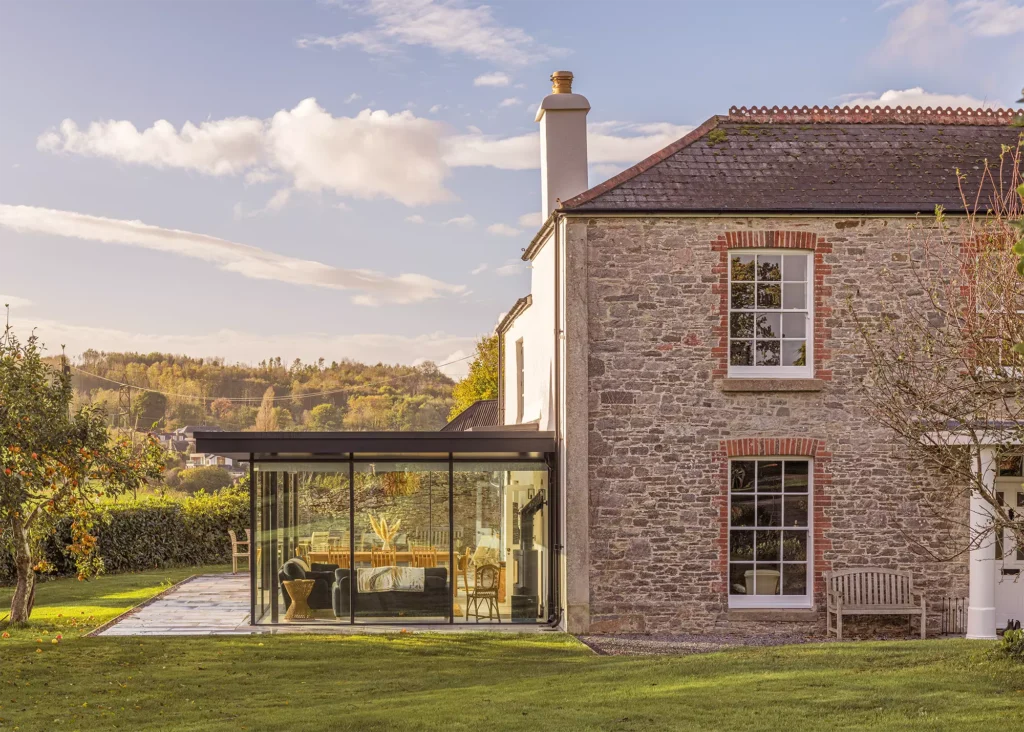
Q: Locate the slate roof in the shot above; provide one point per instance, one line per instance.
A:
(807, 160)
(483, 413)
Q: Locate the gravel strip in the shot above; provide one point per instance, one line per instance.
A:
(683, 645)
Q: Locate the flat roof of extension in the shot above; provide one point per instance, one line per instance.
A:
(491, 443)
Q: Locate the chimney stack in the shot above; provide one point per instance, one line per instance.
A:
(563, 143)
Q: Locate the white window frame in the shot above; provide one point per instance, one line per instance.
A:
(773, 372)
(801, 602)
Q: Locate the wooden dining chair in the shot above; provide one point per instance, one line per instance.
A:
(462, 572)
(339, 557)
(485, 589)
(424, 557)
(236, 550)
(383, 558)
(320, 541)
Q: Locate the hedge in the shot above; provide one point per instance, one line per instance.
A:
(151, 533)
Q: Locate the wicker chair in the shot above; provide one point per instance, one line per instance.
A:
(485, 589)
(383, 558)
(236, 549)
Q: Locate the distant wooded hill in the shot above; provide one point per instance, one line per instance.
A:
(306, 396)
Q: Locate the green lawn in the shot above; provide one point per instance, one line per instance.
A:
(474, 682)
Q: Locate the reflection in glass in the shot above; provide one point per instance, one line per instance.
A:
(741, 579)
(794, 268)
(1009, 465)
(796, 476)
(768, 325)
(769, 297)
(742, 475)
(741, 353)
(742, 267)
(794, 296)
(741, 546)
(742, 511)
(794, 353)
(769, 476)
(794, 579)
(767, 353)
(769, 510)
(743, 297)
(741, 325)
(795, 511)
(794, 546)
(769, 267)
(794, 325)
(768, 546)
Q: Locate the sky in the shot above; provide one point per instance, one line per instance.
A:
(358, 179)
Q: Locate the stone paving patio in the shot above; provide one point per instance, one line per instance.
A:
(209, 604)
(218, 604)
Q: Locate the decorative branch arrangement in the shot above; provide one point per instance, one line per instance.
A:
(945, 369)
(385, 532)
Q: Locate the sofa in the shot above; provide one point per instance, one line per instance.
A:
(433, 601)
(322, 576)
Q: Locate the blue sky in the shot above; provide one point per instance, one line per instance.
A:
(167, 181)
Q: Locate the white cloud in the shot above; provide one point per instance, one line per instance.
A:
(279, 200)
(478, 270)
(510, 268)
(495, 78)
(510, 102)
(465, 222)
(371, 155)
(353, 97)
(929, 33)
(218, 147)
(435, 109)
(415, 219)
(249, 347)
(242, 259)
(503, 230)
(531, 220)
(448, 27)
(20, 302)
(604, 171)
(915, 97)
(607, 142)
(990, 18)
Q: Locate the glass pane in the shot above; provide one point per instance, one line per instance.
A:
(769, 546)
(742, 478)
(768, 325)
(767, 578)
(1009, 465)
(794, 579)
(769, 476)
(742, 267)
(769, 297)
(794, 353)
(742, 297)
(741, 353)
(741, 579)
(794, 268)
(741, 325)
(767, 353)
(741, 546)
(794, 325)
(795, 511)
(794, 546)
(769, 267)
(402, 535)
(769, 510)
(501, 543)
(796, 476)
(794, 296)
(741, 511)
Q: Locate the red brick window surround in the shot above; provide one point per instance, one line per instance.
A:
(819, 334)
(816, 451)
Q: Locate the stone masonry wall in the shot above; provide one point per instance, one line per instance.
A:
(662, 427)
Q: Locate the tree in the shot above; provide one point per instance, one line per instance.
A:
(266, 418)
(207, 478)
(482, 380)
(944, 371)
(54, 462)
(148, 408)
(325, 418)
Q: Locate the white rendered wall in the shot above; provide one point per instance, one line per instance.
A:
(536, 326)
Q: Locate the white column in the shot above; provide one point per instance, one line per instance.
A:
(981, 609)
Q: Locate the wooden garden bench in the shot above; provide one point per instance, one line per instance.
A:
(871, 591)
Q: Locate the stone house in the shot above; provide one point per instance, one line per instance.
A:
(686, 338)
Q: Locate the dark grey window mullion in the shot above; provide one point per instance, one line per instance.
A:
(351, 539)
(254, 538)
(451, 538)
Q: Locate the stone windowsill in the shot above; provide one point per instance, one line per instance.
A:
(770, 385)
(773, 615)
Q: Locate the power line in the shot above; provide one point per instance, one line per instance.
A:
(284, 398)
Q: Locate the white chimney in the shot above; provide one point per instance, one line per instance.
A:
(563, 143)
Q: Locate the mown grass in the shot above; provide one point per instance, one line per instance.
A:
(481, 682)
